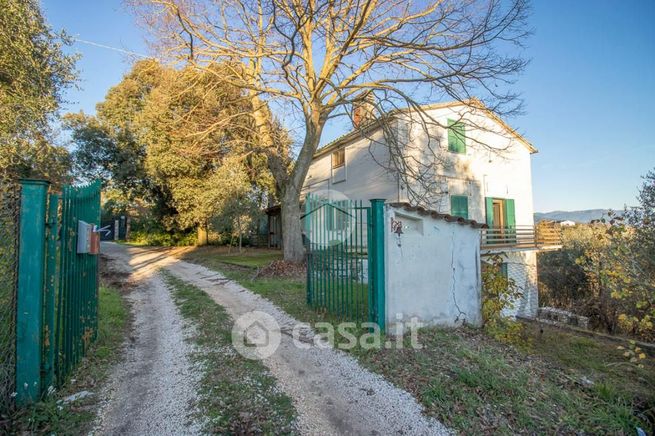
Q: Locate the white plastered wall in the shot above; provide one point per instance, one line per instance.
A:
(432, 271)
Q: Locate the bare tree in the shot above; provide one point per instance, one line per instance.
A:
(315, 58)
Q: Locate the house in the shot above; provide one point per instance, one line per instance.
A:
(485, 176)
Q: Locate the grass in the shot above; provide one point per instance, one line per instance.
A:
(561, 383)
(50, 416)
(238, 396)
(287, 293)
(214, 256)
(476, 384)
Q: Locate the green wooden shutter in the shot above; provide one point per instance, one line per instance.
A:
(489, 205)
(459, 206)
(510, 218)
(456, 137)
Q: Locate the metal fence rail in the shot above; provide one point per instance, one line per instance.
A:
(9, 218)
(520, 237)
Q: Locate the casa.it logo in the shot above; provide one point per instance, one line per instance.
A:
(256, 335)
(330, 218)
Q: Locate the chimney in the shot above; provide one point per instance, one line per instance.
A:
(363, 108)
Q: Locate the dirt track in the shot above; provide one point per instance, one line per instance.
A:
(154, 390)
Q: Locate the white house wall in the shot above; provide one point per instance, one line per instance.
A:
(499, 168)
(496, 164)
(432, 271)
(364, 178)
(522, 270)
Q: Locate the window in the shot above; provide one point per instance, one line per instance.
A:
(459, 206)
(488, 268)
(501, 219)
(339, 158)
(456, 137)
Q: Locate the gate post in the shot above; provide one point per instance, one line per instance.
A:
(50, 287)
(377, 260)
(29, 305)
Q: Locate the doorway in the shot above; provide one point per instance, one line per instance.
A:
(499, 214)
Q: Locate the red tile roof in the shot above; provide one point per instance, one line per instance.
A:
(434, 214)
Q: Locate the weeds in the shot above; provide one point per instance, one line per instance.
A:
(52, 416)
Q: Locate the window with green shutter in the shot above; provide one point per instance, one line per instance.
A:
(456, 137)
(459, 206)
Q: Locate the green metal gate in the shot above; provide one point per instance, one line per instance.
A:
(57, 296)
(77, 299)
(345, 258)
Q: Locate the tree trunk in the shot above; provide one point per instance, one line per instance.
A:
(292, 243)
(240, 238)
(289, 185)
(202, 235)
(292, 246)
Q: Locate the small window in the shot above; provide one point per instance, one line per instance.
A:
(456, 137)
(459, 206)
(339, 158)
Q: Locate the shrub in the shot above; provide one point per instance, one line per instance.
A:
(499, 293)
(162, 238)
(606, 270)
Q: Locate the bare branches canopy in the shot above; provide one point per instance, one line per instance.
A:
(318, 57)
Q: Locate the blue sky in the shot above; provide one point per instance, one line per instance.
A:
(588, 91)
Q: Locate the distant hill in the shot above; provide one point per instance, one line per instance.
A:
(579, 216)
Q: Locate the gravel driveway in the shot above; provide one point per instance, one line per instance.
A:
(152, 390)
(332, 393)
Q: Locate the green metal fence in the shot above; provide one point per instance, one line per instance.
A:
(345, 258)
(57, 293)
(9, 216)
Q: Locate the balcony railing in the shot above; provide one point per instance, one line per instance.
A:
(521, 237)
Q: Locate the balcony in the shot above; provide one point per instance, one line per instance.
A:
(539, 237)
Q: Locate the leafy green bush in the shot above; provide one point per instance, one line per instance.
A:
(606, 270)
(498, 294)
(162, 238)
